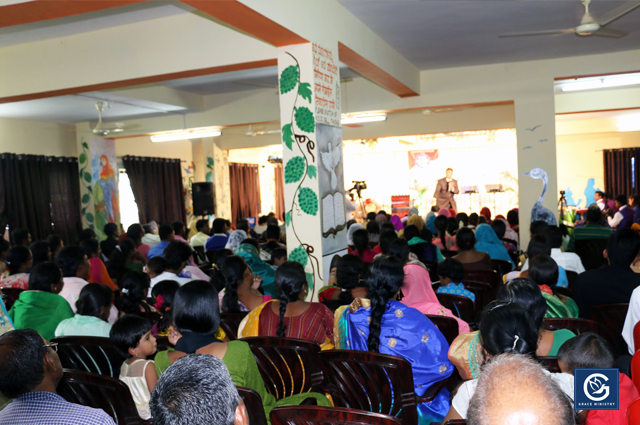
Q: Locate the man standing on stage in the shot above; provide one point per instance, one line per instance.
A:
(446, 188)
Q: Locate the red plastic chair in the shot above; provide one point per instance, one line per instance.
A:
(635, 370)
(636, 337)
(460, 306)
(230, 322)
(633, 413)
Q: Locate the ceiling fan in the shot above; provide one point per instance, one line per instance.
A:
(589, 25)
(431, 111)
(103, 129)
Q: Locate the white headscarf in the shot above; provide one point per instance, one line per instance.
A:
(235, 239)
(351, 231)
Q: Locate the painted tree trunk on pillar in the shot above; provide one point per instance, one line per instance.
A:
(313, 187)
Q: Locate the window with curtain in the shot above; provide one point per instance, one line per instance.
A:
(41, 194)
(621, 171)
(245, 190)
(157, 187)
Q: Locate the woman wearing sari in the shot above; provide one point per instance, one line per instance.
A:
(543, 270)
(487, 241)
(382, 325)
(430, 220)
(250, 253)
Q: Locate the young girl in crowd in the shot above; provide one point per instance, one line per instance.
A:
(450, 274)
(19, 261)
(135, 290)
(131, 336)
(163, 293)
(591, 351)
(92, 311)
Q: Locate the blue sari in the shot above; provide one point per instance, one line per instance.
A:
(259, 267)
(406, 333)
(487, 241)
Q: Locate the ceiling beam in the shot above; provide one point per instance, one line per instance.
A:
(247, 20)
(45, 10)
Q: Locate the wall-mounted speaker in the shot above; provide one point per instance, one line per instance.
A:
(204, 200)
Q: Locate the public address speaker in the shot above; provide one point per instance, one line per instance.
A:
(203, 199)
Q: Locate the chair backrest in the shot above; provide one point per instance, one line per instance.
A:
(371, 382)
(288, 366)
(229, 322)
(484, 292)
(11, 295)
(635, 369)
(591, 251)
(316, 415)
(611, 317)
(550, 363)
(200, 257)
(253, 402)
(462, 307)
(447, 325)
(432, 267)
(501, 266)
(90, 354)
(572, 278)
(100, 392)
(633, 413)
(578, 326)
(636, 337)
(211, 255)
(491, 277)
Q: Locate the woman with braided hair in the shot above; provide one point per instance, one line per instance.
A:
(382, 324)
(240, 290)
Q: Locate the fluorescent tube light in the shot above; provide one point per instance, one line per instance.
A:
(583, 85)
(621, 81)
(185, 135)
(357, 119)
(630, 123)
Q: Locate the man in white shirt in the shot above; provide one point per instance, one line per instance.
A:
(75, 270)
(567, 260)
(200, 238)
(151, 236)
(600, 202)
(176, 256)
(623, 218)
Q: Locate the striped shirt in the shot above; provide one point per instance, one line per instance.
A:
(591, 231)
(45, 408)
(315, 324)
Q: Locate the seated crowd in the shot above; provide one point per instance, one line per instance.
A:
(392, 293)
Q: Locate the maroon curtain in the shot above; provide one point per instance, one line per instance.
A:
(37, 192)
(64, 187)
(279, 192)
(621, 171)
(157, 188)
(244, 180)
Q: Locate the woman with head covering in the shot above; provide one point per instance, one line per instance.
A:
(397, 223)
(251, 255)
(452, 212)
(445, 212)
(487, 241)
(351, 231)
(418, 293)
(431, 218)
(236, 238)
(416, 220)
(486, 213)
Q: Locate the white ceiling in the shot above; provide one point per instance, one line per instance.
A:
(452, 33)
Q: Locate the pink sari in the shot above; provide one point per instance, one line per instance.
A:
(418, 293)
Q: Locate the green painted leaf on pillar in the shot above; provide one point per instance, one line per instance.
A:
(287, 136)
(209, 160)
(288, 79)
(87, 177)
(312, 171)
(310, 281)
(82, 158)
(209, 177)
(86, 198)
(287, 218)
(89, 217)
(294, 169)
(304, 91)
(304, 119)
(299, 255)
(308, 201)
(84, 145)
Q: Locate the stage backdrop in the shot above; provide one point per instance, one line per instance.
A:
(412, 165)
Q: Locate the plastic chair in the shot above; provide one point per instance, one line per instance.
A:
(462, 307)
(253, 402)
(491, 277)
(577, 326)
(374, 382)
(200, 256)
(635, 370)
(10, 296)
(316, 415)
(633, 413)
(611, 317)
(229, 322)
(100, 392)
(484, 293)
(89, 354)
(501, 266)
(590, 252)
(636, 337)
(288, 366)
(447, 325)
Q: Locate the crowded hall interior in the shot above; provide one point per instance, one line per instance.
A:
(391, 212)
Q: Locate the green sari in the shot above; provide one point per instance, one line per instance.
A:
(244, 373)
(259, 267)
(40, 311)
(557, 309)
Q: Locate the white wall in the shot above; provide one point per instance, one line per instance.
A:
(36, 137)
(143, 146)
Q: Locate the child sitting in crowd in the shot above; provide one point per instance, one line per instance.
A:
(154, 267)
(450, 273)
(588, 351)
(278, 257)
(163, 293)
(131, 336)
(135, 290)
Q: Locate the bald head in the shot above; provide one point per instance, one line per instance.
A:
(514, 389)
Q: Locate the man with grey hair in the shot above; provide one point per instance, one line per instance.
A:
(514, 389)
(197, 390)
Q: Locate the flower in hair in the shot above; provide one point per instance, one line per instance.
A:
(159, 302)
